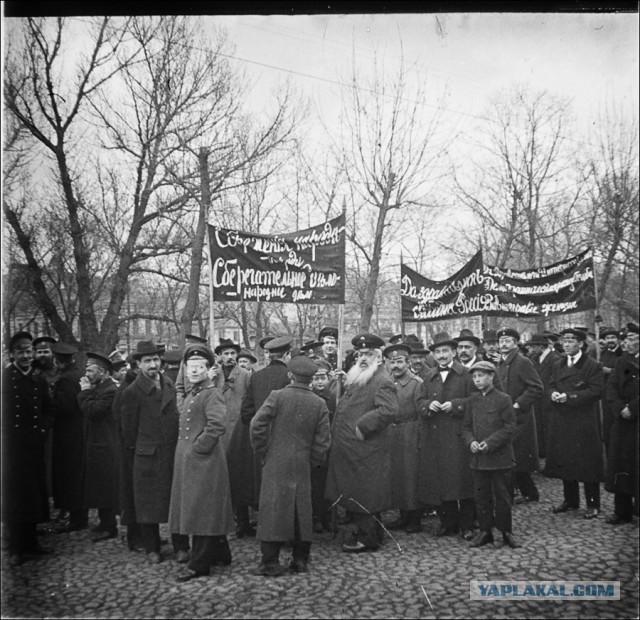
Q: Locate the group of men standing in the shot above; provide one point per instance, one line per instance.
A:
(411, 428)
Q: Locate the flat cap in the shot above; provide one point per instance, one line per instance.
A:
(43, 340)
(367, 341)
(484, 366)
(263, 341)
(609, 331)
(397, 338)
(173, 356)
(99, 360)
(575, 331)
(632, 328)
(279, 345)
(540, 339)
(62, 349)
(246, 353)
(323, 365)
(302, 366)
(397, 350)
(118, 365)
(328, 331)
(310, 345)
(509, 332)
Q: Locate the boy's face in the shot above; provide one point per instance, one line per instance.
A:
(320, 381)
(197, 370)
(481, 379)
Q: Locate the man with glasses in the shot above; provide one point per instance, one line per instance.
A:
(574, 449)
(360, 459)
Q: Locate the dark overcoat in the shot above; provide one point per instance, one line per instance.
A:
(404, 442)
(574, 451)
(622, 453)
(608, 359)
(491, 418)
(27, 416)
(68, 442)
(521, 381)
(290, 433)
(200, 495)
(101, 447)
(125, 458)
(359, 469)
(150, 429)
(245, 471)
(443, 472)
(542, 406)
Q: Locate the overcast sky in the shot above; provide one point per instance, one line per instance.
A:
(592, 58)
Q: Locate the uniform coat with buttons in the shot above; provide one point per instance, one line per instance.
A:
(27, 415)
(233, 389)
(101, 453)
(200, 495)
(443, 462)
(404, 443)
(290, 433)
(521, 381)
(490, 417)
(150, 429)
(622, 453)
(360, 469)
(68, 441)
(575, 448)
(245, 471)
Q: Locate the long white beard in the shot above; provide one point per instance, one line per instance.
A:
(361, 376)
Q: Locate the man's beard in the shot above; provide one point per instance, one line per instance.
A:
(361, 376)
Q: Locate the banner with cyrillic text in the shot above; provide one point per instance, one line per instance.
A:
(563, 287)
(306, 266)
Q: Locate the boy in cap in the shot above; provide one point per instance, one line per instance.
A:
(289, 433)
(488, 426)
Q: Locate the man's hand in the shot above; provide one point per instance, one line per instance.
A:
(474, 447)
(557, 397)
(482, 446)
(446, 407)
(214, 371)
(85, 384)
(435, 406)
(626, 413)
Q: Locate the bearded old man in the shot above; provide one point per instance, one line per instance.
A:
(360, 458)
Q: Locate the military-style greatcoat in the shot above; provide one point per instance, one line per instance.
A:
(574, 451)
(68, 442)
(233, 389)
(200, 495)
(490, 418)
(404, 442)
(101, 453)
(150, 429)
(27, 415)
(359, 470)
(443, 469)
(622, 453)
(521, 381)
(290, 433)
(245, 471)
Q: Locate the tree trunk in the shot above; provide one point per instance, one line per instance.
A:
(372, 280)
(191, 303)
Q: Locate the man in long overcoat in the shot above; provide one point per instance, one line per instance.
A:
(290, 434)
(68, 440)
(200, 496)
(521, 381)
(150, 430)
(608, 359)
(244, 469)
(404, 440)
(360, 457)
(27, 415)
(95, 398)
(575, 448)
(622, 454)
(541, 352)
(444, 477)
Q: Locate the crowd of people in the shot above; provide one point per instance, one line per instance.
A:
(206, 441)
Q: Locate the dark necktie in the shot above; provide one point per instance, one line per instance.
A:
(443, 368)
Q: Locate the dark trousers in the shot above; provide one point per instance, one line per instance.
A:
(591, 492)
(79, 517)
(270, 549)
(133, 535)
(321, 507)
(150, 538)
(107, 518)
(369, 531)
(206, 551)
(623, 506)
(523, 481)
(457, 515)
(493, 498)
(22, 537)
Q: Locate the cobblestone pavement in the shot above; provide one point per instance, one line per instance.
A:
(104, 580)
